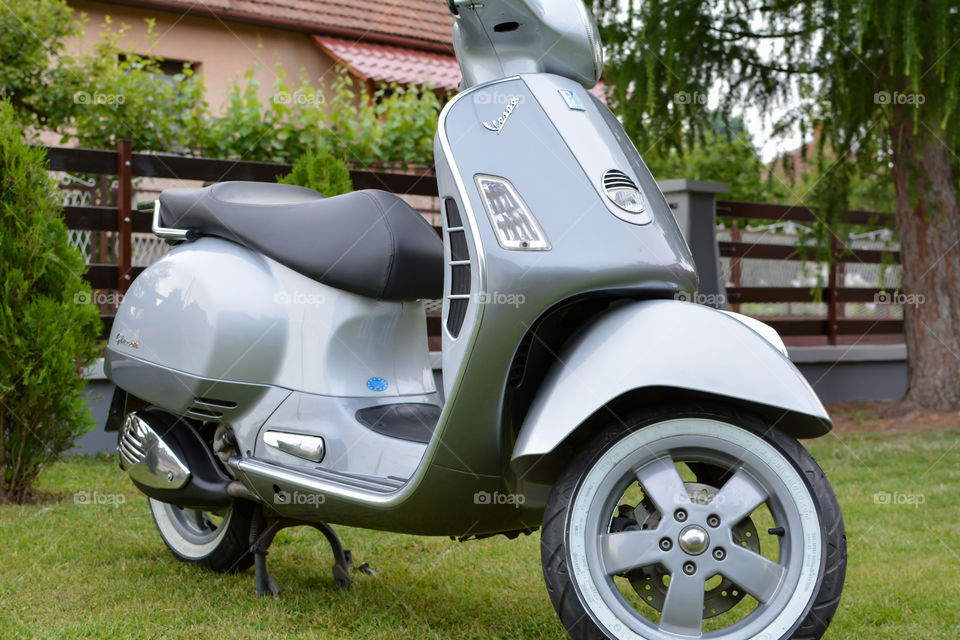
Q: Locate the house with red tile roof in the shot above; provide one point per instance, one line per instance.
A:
(377, 42)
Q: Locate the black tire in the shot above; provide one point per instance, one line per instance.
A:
(225, 549)
(555, 555)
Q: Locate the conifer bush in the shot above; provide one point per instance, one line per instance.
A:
(321, 171)
(48, 328)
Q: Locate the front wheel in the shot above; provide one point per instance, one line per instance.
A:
(685, 523)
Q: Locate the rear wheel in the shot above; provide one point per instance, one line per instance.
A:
(218, 541)
(690, 523)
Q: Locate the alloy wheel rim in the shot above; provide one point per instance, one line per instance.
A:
(693, 541)
(196, 526)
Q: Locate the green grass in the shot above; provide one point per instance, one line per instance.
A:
(72, 570)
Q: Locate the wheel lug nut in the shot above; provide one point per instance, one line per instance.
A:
(713, 521)
(666, 544)
(689, 568)
(680, 515)
(719, 554)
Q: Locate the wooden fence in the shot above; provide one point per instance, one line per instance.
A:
(121, 219)
(834, 325)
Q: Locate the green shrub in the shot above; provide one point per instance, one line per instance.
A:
(320, 171)
(48, 328)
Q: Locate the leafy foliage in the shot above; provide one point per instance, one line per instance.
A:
(395, 124)
(320, 171)
(848, 70)
(113, 92)
(722, 155)
(48, 329)
(32, 34)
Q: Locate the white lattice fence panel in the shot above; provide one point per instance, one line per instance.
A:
(146, 249)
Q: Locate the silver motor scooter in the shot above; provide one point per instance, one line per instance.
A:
(273, 369)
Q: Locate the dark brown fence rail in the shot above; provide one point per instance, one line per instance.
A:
(122, 220)
(832, 294)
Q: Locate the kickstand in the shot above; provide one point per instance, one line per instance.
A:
(342, 558)
(262, 535)
(260, 539)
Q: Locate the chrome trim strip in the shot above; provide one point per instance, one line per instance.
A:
(302, 446)
(165, 232)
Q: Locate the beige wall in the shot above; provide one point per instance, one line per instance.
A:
(224, 50)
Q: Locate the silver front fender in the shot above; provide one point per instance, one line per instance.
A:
(675, 345)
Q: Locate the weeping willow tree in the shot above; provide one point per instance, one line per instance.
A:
(877, 83)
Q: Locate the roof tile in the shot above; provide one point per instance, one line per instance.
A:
(382, 63)
(427, 20)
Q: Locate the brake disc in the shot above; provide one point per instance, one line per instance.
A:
(650, 583)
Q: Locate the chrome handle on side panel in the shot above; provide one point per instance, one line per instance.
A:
(166, 232)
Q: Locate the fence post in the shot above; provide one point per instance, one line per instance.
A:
(693, 203)
(832, 292)
(124, 221)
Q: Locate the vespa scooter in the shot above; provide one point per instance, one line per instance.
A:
(273, 368)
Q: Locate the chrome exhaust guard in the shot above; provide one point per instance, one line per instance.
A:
(168, 460)
(147, 458)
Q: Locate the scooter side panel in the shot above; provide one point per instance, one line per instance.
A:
(667, 343)
(213, 309)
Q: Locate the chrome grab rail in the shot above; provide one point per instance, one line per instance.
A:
(166, 232)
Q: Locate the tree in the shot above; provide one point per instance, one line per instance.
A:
(725, 154)
(94, 98)
(877, 81)
(48, 328)
(32, 36)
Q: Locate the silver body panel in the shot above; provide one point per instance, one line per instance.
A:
(212, 308)
(502, 38)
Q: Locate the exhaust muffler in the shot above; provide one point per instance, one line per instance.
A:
(168, 460)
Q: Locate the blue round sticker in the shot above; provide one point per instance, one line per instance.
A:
(377, 384)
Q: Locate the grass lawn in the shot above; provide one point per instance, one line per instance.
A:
(99, 569)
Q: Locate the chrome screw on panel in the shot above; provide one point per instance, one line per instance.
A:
(719, 554)
(680, 515)
(666, 544)
(689, 568)
(713, 521)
